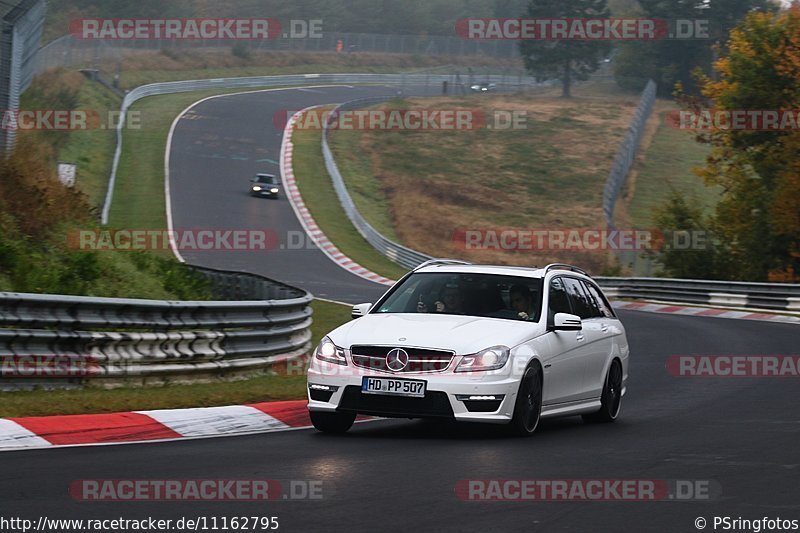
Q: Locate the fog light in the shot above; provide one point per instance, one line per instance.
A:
(326, 388)
(321, 393)
(468, 398)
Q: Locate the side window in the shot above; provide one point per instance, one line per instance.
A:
(579, 298)
(602, 303)
(558, 299)
(590, 300)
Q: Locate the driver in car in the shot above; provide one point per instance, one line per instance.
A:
(521, 300)
(449, 302)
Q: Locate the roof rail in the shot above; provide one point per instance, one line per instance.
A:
(564, 266)
(441, 262)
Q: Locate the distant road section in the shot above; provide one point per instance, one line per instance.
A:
(217, 147)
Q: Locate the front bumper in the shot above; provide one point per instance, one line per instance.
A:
(447, 394)
(265, 194)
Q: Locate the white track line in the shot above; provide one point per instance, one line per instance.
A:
(167, 154)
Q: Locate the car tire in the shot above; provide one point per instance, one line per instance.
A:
(332, 422)
(611, 398)
(528, 407)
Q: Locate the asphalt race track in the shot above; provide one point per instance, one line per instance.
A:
(399, 475)
(216, 149)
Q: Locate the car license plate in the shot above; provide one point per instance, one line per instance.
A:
(396, 387)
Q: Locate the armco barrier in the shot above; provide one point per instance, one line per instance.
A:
(410, 258)
(773, 296)
(737, 294)
(401, 255)
(47, 339)
(428, 80)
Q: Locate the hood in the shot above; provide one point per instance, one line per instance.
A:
(462, 334)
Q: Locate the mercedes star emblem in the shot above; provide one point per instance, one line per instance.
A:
(396, 359)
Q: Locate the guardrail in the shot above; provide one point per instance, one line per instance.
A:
(410, 258)
(773, 296)
(737, 294)
(402, 80)
(398, 253)
(48, 340)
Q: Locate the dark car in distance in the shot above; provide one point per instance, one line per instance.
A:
(265, 185)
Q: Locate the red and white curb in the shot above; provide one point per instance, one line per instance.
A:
(304, 216)
(703, 312)
(149, 426)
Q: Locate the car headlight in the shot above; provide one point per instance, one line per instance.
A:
(327, 351)
(274, 191)
(488, 359)
(256, 188)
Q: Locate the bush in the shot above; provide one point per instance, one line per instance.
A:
(241, 50)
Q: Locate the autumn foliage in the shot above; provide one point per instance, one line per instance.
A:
(757, 221)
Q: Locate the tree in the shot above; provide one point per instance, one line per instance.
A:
(565, 60)
(758, 216)
(708, 261)
(669, 61)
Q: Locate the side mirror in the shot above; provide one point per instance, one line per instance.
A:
(566, 322)
(360, 310)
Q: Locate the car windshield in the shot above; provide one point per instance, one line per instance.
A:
(480, 295)
(269, 180)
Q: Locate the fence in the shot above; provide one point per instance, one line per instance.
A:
(48, 340)
(627, 152)
(68, 51)
(623, 162)
(22, 23)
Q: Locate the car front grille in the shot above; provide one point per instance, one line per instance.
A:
(420, 360)
(434, 404)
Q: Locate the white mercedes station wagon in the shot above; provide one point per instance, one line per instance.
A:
(495, 344)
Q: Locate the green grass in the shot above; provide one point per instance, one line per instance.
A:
(139, 200)
(282, 384)
(320, 197)
(667, 165)
(370, 198)
(92, 151)
(420, 187)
